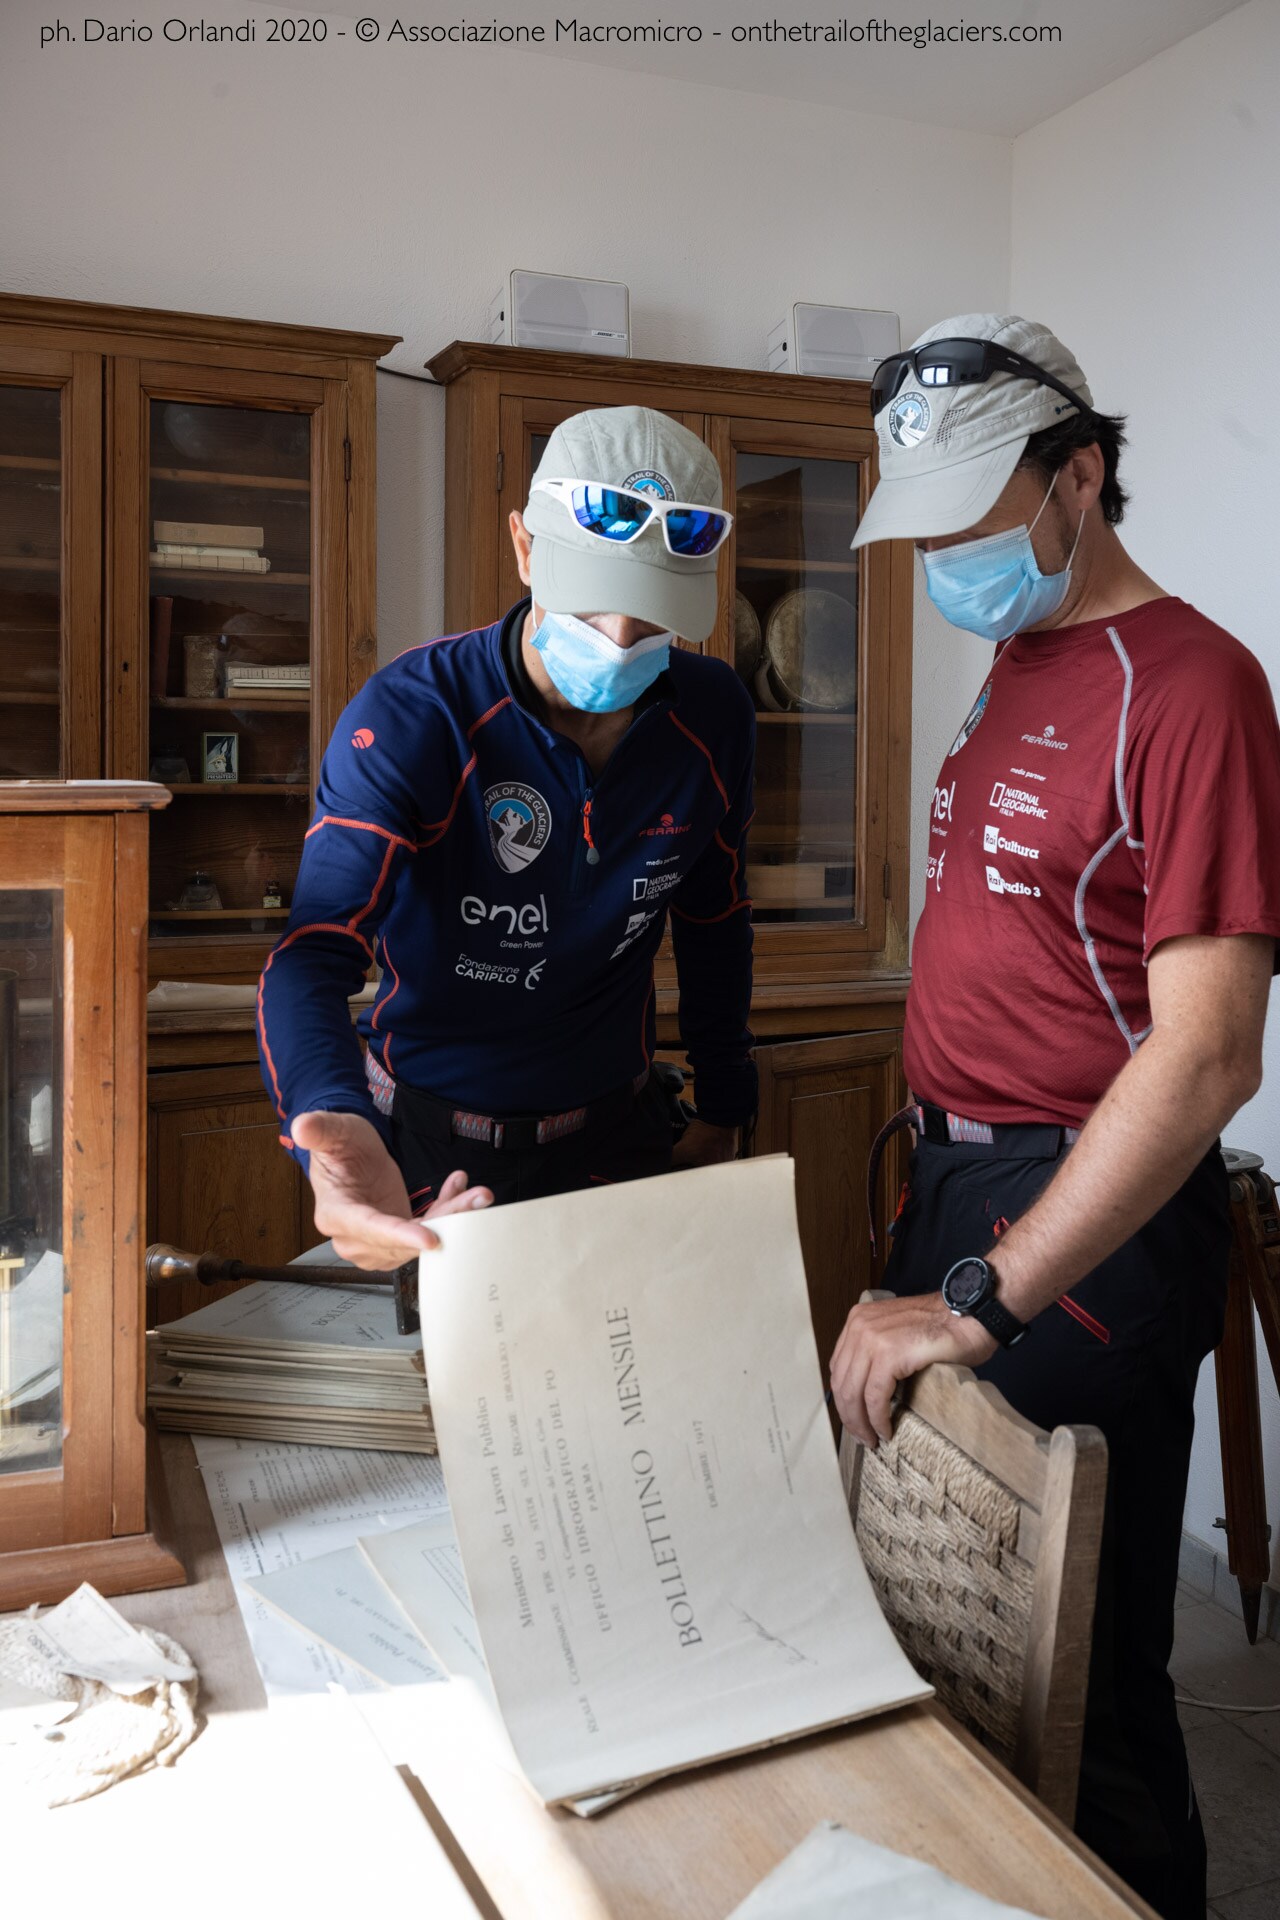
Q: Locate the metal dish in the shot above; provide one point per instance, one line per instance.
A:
(811, 648)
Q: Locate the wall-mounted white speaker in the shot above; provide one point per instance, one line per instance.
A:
(563, 314)
(845, 343)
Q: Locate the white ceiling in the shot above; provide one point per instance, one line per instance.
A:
(999, 89)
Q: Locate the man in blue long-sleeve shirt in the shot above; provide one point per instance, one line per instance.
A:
(503, 821)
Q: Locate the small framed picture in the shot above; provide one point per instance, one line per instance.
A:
(220, 756)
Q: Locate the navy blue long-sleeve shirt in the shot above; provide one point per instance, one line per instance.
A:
(514, 900)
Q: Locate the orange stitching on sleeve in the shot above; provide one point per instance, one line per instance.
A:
(362, 826)
(320, 926)
(702, 748)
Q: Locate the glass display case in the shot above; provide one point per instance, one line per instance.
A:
(72, 1063)
(31, 1255)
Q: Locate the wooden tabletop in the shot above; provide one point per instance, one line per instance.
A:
(693, 1846)
(687, 1848)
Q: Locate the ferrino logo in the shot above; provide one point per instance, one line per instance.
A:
(1045, 739)
(665, 829)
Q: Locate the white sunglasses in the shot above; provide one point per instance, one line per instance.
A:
(618, 515)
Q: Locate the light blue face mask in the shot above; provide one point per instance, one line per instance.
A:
(590, 670)
(994, 587)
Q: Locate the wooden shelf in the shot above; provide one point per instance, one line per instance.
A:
(29, 699)
(767, 719)
(223, 574)
(750, 498)
(756, 563)
(27, 563)
(220, 703)
(30, 463)
(290, 790)
(218, 913)
(838, 902)
(202, 477)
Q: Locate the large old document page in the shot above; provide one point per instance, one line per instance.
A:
(641, 1474)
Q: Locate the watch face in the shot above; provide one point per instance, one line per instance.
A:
(966, 1284)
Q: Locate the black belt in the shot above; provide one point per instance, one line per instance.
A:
(509, 1133)
(1036, 1140)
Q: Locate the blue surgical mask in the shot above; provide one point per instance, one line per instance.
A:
(592, 672)
(994, 587)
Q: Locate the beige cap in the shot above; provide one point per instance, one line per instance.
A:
(574, 572)
(946, 453)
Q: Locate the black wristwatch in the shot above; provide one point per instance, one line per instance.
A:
(970, 1291)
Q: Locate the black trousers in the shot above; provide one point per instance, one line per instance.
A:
(632, 1143)
(1122, 1353)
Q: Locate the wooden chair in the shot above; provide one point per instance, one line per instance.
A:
(981, 1533)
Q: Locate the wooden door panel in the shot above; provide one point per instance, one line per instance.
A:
(823, 1102)
(220, 1181)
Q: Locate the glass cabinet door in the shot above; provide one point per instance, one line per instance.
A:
(58, 1077)
(50, 543)
(797, 637)
(242, 548)
(31, 1250)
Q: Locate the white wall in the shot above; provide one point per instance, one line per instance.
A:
(391, 189)
(1144, 223)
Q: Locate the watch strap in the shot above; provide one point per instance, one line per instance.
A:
(999, 1322)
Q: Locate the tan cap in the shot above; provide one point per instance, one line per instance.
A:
(946, 453)
(574, 572)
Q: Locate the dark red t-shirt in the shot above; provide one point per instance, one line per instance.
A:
(1116, 783)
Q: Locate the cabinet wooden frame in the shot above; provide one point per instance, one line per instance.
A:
(86, 1519)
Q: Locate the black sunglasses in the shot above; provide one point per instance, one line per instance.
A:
(958, 363)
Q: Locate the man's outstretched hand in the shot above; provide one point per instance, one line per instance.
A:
(361, 1201)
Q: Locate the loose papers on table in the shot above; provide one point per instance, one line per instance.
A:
(276, 1506)
(835, 1873)
(631, 1418)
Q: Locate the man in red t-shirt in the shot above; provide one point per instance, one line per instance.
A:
(1090, 980)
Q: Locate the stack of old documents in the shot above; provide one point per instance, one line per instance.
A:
(275, 1361)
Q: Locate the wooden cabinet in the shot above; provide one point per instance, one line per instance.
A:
(822, 637)
(72, 986)
(187, 593)
(187, 525)
(823, 1102)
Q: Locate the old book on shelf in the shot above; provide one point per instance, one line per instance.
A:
(193, 559)
(205, 533)
(297, 1363)
(626, 1391)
